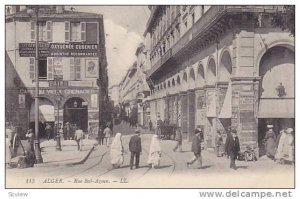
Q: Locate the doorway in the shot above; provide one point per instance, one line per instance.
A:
(75, 112)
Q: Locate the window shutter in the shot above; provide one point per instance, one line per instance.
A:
(32, 32)
(67, 31)
(49, 31)
(78, 68)
(72, 69)
(50, 68)
(31, 67)
(83, 31)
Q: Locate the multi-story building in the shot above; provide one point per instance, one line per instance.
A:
(134, 89)
(114, 94)
(72, 65)
(220, 66)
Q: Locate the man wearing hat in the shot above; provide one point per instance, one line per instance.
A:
(233, 148)
(196, 148)
(270, 142)
(135, 147)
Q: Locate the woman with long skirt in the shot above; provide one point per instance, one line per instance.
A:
(154, 152)
(116, 151)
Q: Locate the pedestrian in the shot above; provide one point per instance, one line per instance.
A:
(116, 151)
(67, 131)
(48, 130)
(16, 143)
(154, 152)
(219, 144)
(30, 158)
(228, 137)
(150, 125)
(101, 136)
(7, 151)
(107, 134)
(135, 147)
(30, 138)
(233, 148)
(159, 124)
(196, 149)
(9, 132)
(79, 135)
(285, 149)
(270, 142)
(178, 139)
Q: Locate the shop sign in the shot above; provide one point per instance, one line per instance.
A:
(65, 91)
(59, 50)
(21, 100)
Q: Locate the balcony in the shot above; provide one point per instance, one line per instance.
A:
(213, 14)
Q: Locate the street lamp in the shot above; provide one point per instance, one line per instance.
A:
(58, 79)
(35, 10)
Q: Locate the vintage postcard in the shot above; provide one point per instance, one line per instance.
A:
(158, 96)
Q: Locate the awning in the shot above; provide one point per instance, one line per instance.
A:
(46, 111)
(276, 108)
(226, 108)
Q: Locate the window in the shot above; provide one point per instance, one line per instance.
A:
(45, 31)
(75, 31)
(75, 68)
(42, 69)
(91, 33)
(193, 18)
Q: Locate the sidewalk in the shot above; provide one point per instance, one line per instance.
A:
(69, 153)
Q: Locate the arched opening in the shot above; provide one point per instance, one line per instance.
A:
(276, 91)
(201, 77)
(211, 75)
(75, 112)
(169, 84)
(173, 82)
(178, 80)
(192, 75)
(225, 68)
(165, 85)
(46, 115)
(184, 77)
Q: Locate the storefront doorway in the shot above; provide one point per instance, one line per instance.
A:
(46, 115)
(75, 112)
(276, 92)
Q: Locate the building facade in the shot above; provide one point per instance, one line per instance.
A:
(221, 66)
(114, 94)
(72, 66)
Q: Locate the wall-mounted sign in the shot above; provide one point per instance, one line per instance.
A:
(91, 68)
(59, 50)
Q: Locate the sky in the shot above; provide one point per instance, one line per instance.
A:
(124, 27)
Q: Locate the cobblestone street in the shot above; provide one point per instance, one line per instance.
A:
(66, 169)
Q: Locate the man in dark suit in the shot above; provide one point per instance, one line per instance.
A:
(135, 148)
(196, 148)
(233, 148)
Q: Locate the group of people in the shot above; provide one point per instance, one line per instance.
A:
(105, 135)
(13, 143)
(135, 148)
(280, 148)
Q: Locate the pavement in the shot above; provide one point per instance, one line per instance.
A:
(91, 168)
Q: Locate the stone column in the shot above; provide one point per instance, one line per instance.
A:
(191, 114)
(244, 110)
(184, 114)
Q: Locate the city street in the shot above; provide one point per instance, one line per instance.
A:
(72, 168)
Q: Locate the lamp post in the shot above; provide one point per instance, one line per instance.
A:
(58, 79)
(37, 150)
